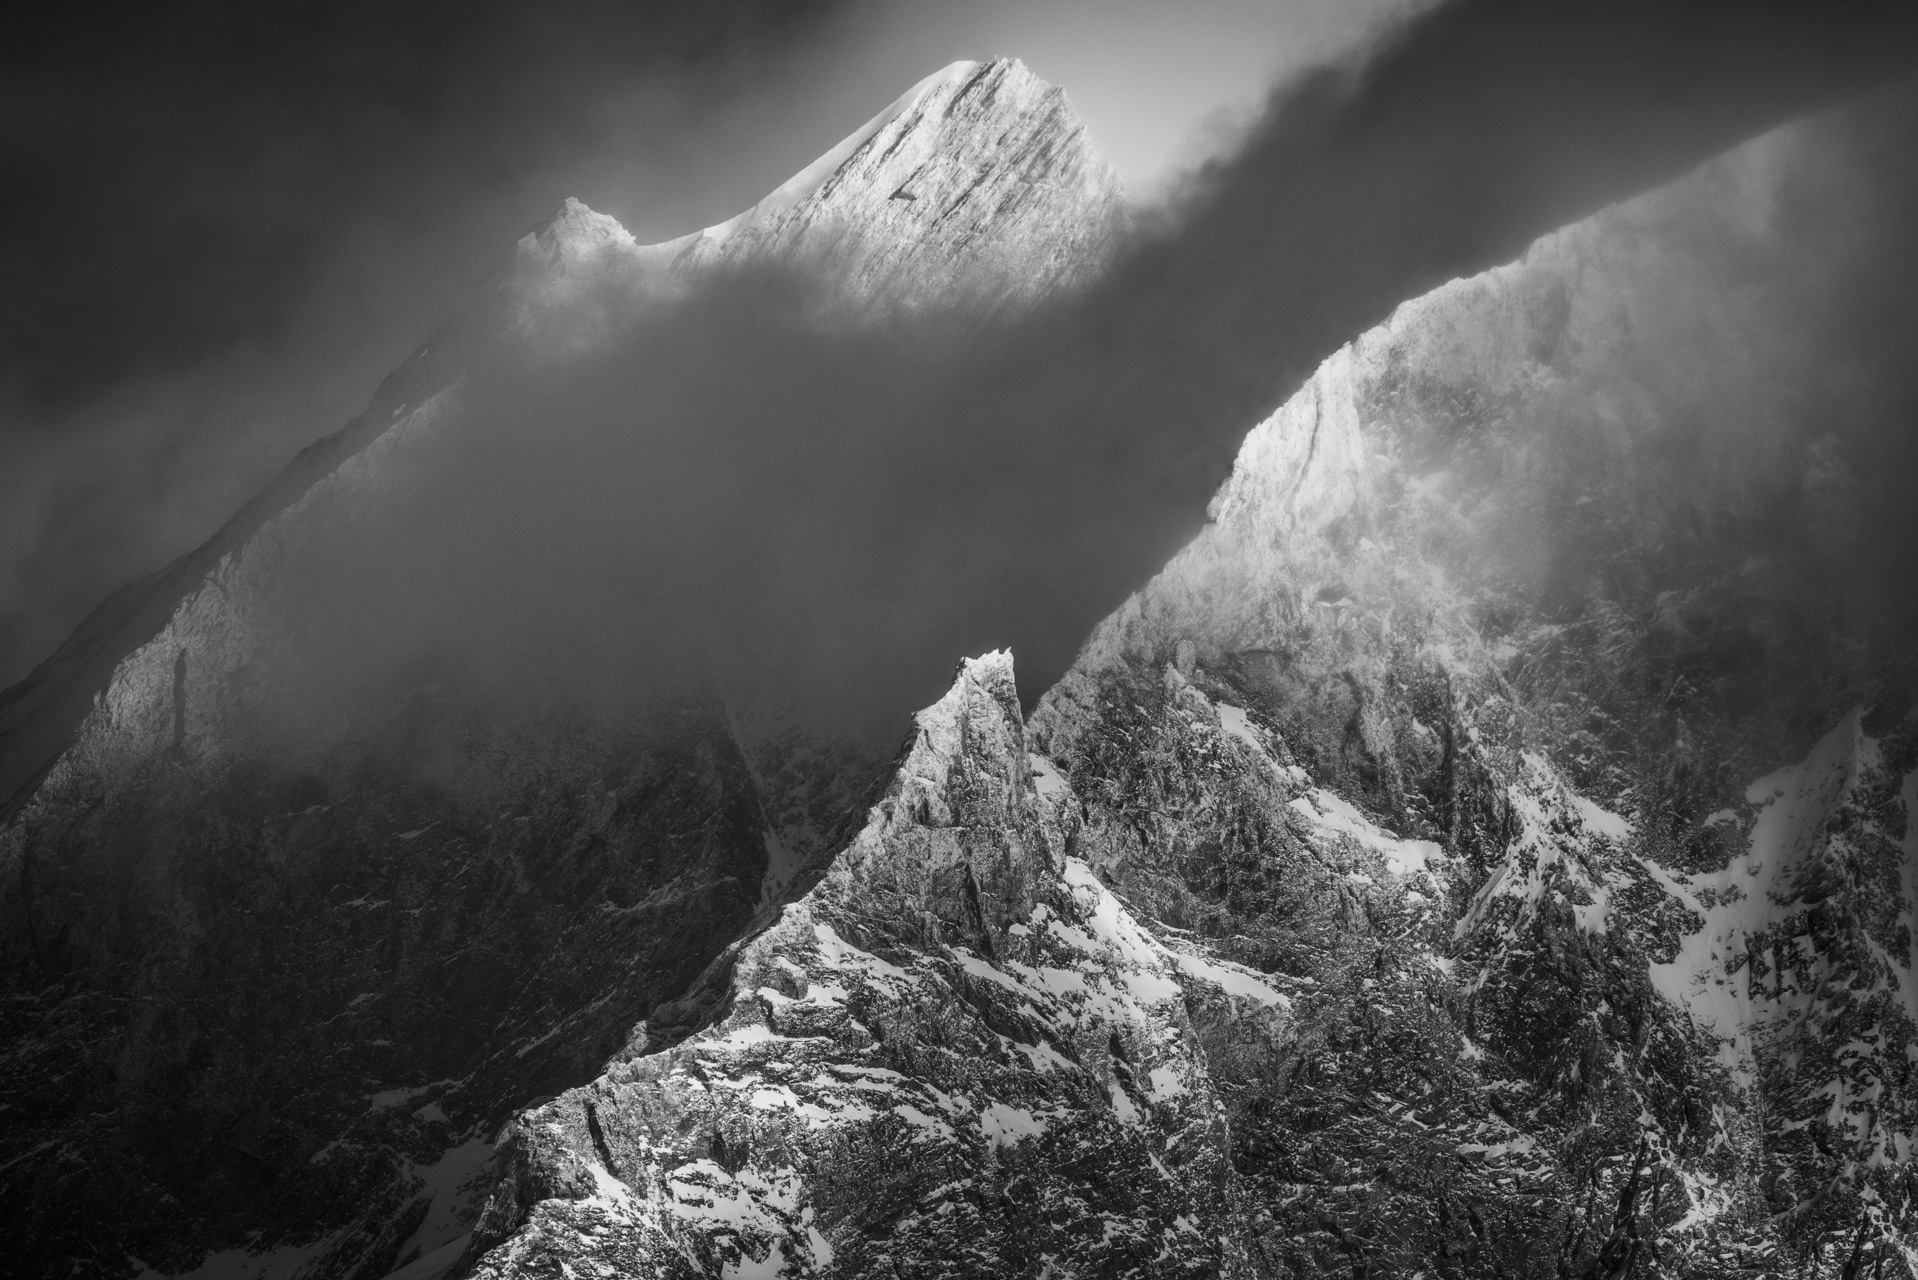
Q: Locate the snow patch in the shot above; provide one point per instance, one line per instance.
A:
(1166, 1084)
(1709, 978)
(1234, 721)
(1047, 780)
(1234, 979)
(1005, 1126)
(1336, 816)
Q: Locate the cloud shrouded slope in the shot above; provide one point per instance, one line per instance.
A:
(850, 508)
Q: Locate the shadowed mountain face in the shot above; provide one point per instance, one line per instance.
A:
(1483, 850)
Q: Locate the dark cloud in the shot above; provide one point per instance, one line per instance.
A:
(1486, 125)
(227, 221)
(194, 166)
(843, 512)
(232, 220)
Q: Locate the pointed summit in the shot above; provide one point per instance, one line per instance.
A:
(954, 1055)
(979, 166)
(979, 180)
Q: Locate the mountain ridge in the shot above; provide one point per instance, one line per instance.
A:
(1358, 902)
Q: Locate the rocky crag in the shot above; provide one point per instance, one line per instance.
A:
(958, 1054)
(1484, 851)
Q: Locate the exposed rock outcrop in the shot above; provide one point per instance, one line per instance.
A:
(958, 1054)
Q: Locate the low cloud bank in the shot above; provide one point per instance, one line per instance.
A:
(730, 492)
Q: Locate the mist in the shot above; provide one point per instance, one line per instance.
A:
(234, 222)
(729, 491)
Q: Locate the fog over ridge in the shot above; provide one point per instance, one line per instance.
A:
(729, 488)
(244, 218)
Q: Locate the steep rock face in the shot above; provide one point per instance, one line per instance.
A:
(958, 1055)
(274, 994)
(985, 171)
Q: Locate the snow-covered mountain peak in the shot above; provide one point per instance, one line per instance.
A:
(978, 183)
(815, 175)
